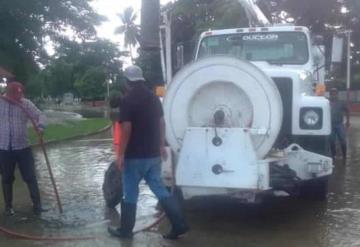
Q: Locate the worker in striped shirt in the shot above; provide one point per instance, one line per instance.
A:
(14, 147)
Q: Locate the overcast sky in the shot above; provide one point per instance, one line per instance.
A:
(110, 9)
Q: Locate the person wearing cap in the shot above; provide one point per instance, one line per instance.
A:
(14, 147)
(338, 109)
(141, 148)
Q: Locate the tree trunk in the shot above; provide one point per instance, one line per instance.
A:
(150, 42)
(150, 24)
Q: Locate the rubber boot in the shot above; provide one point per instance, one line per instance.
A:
(127, 221)
(35, 197)
(176, 218)
(8, 196)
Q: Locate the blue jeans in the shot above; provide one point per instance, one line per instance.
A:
(338, 132)
(25, 161)
(147, 169)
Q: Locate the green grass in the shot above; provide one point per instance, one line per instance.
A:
(69, 129)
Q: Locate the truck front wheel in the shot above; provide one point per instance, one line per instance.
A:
(315, 189)
(316, 144)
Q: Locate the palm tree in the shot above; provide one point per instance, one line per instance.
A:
(129, 29)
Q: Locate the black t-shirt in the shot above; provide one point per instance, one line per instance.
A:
(144, 110)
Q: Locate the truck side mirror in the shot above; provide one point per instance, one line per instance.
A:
(179, 56)
(337, 49)
(319, 54)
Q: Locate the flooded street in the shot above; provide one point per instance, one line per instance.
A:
(79, 168)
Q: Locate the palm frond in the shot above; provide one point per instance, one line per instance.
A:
(120, 29)
(128, 13)
(121, 16)
(134, 17)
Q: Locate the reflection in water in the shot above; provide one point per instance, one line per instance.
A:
(78, 168)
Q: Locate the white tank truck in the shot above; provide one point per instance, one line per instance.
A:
(243, 120)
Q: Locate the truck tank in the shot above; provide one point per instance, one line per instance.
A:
(240, 92)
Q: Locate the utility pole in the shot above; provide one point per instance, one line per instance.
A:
(108, 82)
(168, 64)
(150, 42)
(107, 101)
(348, 65)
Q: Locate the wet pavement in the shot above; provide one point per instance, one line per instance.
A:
(79, 169)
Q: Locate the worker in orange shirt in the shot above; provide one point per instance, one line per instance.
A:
(112, 187)
(116, 137)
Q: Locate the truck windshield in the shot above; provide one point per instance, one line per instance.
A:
(273, 47)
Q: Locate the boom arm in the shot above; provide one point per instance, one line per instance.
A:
(254, 14)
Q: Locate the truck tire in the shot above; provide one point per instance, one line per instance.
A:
(315, 189)
(316, 144)
(244, 93)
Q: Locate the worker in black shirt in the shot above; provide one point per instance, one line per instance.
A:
(141, 147)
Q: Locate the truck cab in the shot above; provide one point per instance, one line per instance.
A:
(285, 53)
(289, 47)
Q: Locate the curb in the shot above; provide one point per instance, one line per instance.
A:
(75, 137)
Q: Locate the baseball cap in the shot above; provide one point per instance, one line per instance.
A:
(134, 73)
(15, 90)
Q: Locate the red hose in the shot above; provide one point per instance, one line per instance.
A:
(148, 228)
(17, 235)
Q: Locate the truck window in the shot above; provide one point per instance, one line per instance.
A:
(273, 47)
